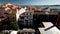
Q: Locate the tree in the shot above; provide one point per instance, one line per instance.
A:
(14, 25)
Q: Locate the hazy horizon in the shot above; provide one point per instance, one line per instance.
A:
(32, 2)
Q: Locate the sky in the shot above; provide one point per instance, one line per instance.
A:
(32, 2)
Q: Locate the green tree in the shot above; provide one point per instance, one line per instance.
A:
(14, 25)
